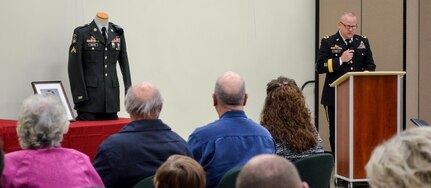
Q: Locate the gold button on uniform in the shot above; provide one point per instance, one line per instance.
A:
(351, 68)
(106, 57)
(106, 74)
(92, 48)
(106, 66)
(106, 49)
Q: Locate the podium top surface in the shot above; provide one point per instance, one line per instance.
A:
(367, 73)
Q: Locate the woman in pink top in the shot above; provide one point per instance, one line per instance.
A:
(42, 123)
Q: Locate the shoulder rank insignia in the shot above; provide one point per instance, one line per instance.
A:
(326, 37)
(363, 36)
(73, 50)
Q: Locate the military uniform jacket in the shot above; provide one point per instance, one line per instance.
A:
(92, 68)
(328, 61)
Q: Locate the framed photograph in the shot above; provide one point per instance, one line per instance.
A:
(56, 88)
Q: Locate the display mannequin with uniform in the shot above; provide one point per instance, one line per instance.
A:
(93, 55)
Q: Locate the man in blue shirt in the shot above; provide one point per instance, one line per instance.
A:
(233, 139)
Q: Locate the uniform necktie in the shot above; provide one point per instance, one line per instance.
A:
(104, 34)
(349, 47)
(348, 43)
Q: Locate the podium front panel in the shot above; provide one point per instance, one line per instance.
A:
(374, 117)
(367, 114)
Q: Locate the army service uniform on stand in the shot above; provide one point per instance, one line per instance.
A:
(93, 73)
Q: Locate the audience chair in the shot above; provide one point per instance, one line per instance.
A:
(316, 169)
(147, 182)
(229, 179)
(419, 122)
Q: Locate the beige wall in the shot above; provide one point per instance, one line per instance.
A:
(180, 46)
(412, 61)
(384, 31)
(424, 60)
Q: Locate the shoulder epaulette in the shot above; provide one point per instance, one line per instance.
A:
(118, 28)
(326, 37)
(80, 27)
(363, 36)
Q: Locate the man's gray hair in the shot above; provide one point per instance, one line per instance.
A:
(42, 122)
(147, 109)
(233, 99)
(348, 14)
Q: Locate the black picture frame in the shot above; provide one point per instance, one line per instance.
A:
(56, 88)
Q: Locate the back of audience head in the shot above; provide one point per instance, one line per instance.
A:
(269, 171)
(42, 122)
(230, 90)
(403, 161)
(143, 101)
(180, 171)
(286, 115)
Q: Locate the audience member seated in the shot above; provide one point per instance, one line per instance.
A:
(403, 161)
(288, 119)
(138, 149)
(180, 171)
(233, 139)
(1, 158)
(41, 125)
(269, 171)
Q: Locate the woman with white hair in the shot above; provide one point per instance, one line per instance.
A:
(42, 122)
(404, 161)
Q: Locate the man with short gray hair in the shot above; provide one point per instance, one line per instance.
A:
(137, 150)
(233, 139)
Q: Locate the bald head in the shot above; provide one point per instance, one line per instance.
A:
(269, 171)
(143, 101)
(230, 89)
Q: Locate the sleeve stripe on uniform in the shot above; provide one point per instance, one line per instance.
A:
(330, 69)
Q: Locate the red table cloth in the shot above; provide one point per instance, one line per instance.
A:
(84, 136)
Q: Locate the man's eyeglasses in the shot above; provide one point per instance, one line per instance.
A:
(349, 26)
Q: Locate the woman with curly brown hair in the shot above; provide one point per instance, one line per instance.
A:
(288, 119)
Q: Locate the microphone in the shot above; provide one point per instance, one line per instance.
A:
(350, 47)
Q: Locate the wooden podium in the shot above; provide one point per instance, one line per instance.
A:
(367, 110)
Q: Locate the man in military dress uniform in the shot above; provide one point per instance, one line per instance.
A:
(338, 54)
(93, 56)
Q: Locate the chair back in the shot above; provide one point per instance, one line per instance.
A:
(229, 178)
(419, 122)
(147, 182)
(316, 169)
